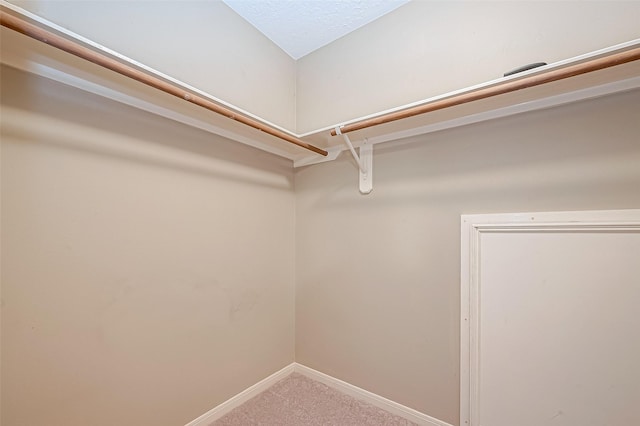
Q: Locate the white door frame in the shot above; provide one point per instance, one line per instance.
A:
(472, 226)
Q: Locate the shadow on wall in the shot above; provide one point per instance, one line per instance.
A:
(55, 114)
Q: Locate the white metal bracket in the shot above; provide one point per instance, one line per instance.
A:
(364, 161)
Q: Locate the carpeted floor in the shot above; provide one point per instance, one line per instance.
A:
(300, 401)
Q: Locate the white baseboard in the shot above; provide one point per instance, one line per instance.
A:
(370, 397)
(235, 401)
(347, 388)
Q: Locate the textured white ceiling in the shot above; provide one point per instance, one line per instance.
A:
(301, 26)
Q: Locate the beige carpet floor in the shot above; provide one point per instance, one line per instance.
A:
(299, 401)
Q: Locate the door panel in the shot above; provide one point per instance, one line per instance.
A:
(553, 335)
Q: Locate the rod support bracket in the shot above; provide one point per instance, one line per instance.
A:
(366, 158)
(364, 161)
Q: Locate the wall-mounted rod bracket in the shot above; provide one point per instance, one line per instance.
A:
(364, 161)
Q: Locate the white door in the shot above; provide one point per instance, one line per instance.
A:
(551, 319)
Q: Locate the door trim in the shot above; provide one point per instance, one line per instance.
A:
(472, 227)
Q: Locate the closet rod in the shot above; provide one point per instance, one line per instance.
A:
(499, 89)
(18, 24)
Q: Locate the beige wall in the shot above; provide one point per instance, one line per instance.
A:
(427, 48)
(203, 43)
(378, 276)
(147, 267)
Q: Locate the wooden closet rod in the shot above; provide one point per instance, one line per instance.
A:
(499, 89)
(18, 24)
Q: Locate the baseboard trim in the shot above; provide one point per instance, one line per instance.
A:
(347, 388)
(370, 397)
(235, 401)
